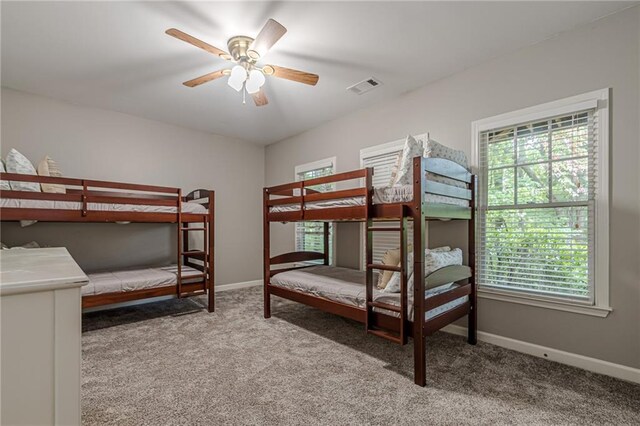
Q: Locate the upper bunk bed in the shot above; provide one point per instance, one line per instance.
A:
(445, 190)
(92, 201)
(86, 200)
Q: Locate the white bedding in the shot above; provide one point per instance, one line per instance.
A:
(188, 207)
(136, 279)
(348, 286)
(386, 195)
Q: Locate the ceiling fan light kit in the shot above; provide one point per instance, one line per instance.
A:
(255, 82)
(237, 78)
(245, 52)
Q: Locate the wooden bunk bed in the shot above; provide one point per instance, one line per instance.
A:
(390, 321)
(91, 201)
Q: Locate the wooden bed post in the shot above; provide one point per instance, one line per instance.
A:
(212, 233)
(419, 244)
(368, 183)
(180, 238)
(266, 253)
(326, 243)
(472, 326)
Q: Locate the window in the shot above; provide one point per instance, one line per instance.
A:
(310, 235)
(543, 204)
(383, 159)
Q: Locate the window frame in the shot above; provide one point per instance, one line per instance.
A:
(306, 167)
(598, 99)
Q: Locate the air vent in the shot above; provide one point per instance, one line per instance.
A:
(365, 86)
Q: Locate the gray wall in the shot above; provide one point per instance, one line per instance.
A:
(603, 54)
(106, 145)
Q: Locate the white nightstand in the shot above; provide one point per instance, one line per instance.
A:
(40, 313)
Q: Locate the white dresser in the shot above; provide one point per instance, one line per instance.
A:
(40, 339)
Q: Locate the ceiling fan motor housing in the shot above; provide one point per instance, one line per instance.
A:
(239, 49)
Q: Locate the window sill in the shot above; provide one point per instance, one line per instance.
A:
(576, 308)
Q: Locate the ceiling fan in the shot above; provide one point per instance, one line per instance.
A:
(245, 52)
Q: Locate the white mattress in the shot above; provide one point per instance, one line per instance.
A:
(136, 279)
(386, 195)
(348, 286)
(188, 207)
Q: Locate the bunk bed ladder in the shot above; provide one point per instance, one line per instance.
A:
(400, 336)
(185, 254)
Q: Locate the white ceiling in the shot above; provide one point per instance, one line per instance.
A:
(116, 55)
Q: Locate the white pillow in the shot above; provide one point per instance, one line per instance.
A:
(435, 149)
(434, 259)
(4, 184)
(412, 148)
(29, 245)
(48, 167)
(18, 163)
(391, 257)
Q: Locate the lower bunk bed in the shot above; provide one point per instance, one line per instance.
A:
(348, 287)
(105, 288)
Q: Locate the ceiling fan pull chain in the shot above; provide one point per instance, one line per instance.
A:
(244, 96)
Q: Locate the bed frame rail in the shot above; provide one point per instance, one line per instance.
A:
(297, 194)
(86, 191)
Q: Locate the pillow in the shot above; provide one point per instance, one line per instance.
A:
(393, 286)
(4, 184)
(412, 148)
(391, 257)
(434, 259)
(18, 163)
(29, 245)
(394, 170)
(48, 167)
(435, 149)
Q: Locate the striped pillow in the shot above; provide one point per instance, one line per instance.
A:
(48, 167)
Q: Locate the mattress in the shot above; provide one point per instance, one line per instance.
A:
(137, 279)
(347, 286)
(187, 207)
(385, 195)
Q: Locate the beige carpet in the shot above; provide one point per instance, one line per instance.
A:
(171, 363)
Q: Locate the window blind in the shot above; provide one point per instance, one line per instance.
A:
(310, 235)
(383, 166)
(537, 207)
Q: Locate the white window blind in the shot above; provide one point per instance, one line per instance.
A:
(383, 166)
(310, 235)
(537, 207)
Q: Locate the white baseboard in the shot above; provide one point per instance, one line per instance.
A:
(236, 286)
(594, 365)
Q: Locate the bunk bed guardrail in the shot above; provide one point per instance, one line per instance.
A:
(86, 192)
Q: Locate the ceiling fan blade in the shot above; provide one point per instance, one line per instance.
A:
(204, 78)
(294, 75)
(268, 36)
(197, 43)
(260, 98)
